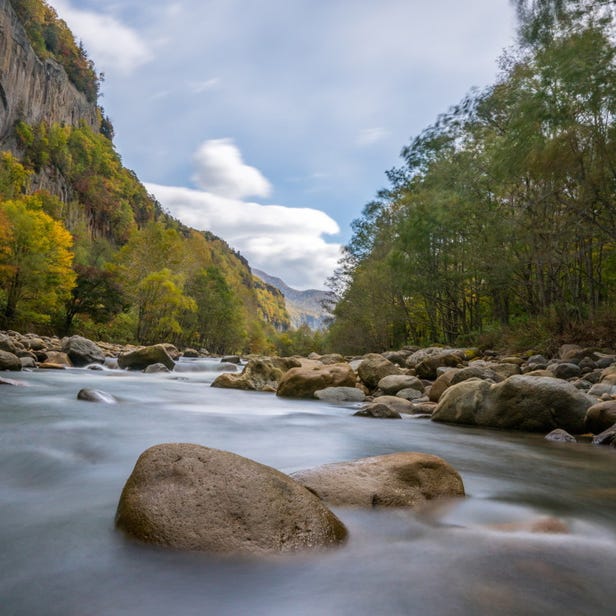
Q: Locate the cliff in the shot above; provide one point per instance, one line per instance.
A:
(34, 90)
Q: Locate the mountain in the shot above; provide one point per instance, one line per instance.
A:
(155, 278)
(304, 307)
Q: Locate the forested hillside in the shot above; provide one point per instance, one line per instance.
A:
(499, 227)
(94, 253)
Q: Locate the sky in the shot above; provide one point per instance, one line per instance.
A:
(271, 123)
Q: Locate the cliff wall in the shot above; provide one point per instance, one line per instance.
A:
(32, 89)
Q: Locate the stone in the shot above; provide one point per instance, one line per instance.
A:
(411, 394)
(59, 358)
(156, 369)
(560, 436)
(259, 374)
(520, 402)
(140, 359)
(190, 497)
(373, 368)
(600, 416)
(9, 345)
(396, 403)
(427, 369)
(598, 389)
(378, 411)
(331, 358)
(96, 395)
(393, 383)
(607, 437)
(340, 394)
(304, 381)
(405, 479)
(190, 353)
(9, 361)
(27, 362)
(231, 359)
(476, 372)
(565, 370)
(82, 351)
(441, 384)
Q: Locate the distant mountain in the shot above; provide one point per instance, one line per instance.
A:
(304, 307)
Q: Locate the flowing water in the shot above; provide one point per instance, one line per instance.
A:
(63, 463)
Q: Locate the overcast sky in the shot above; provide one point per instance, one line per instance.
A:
(271, 123)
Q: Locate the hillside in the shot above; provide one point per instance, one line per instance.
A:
(304, 307)
(130, 271)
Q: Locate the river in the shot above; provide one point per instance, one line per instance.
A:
(63, 463)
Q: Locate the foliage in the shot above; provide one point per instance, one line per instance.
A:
(502, 214)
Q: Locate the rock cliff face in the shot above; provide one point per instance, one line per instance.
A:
(31, 89)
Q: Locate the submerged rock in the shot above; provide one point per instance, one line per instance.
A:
(378, 411)
(395, 480)
(96, 395)
(191, 497)
(560, 436)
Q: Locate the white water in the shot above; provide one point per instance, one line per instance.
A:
(63, 464)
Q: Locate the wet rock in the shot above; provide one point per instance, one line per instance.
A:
(27, 362)
(393, 383)
(190, 353)
(395, 480)
(140, 359)
(9, 361)
(156, 369)
(304, 381)
(191, 497)
(58, 358)
(231, 359)
(96, 395)
(607, 437)
(560, 436)
(441, 384)
(462, 403)
(259, 374)
(373, 368)
(49, 365)
(340, 394)
(601, 416)
(378, 411)
(82, 351)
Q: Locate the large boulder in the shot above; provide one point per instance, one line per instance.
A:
(9, 361)
(601, 416)
(400, 405)
(449, 358)
(439, 386)
(303, 382)
(191, 497)
(259, 374)
(521, 402)
(373, 368)
(82, 351)
(139, 359)
(396, 480)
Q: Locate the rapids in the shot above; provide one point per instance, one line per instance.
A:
(63, 463)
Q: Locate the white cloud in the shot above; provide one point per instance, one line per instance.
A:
(370, 136)
(221, 171)
(198, 87)
(111, 44)
(283, 241)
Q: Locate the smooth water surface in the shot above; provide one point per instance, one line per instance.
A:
(63, 463)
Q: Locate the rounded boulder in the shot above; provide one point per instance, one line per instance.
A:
(303, 382)
(191, 497)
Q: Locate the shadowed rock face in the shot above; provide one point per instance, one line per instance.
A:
(142, 358)
(191, 497)
(396, 480)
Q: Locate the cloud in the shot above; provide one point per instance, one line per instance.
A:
(198, 87)
(283, 241)
(370, 136)
(111, 44)
(221, 171)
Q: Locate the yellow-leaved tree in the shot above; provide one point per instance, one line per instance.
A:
(36, 275)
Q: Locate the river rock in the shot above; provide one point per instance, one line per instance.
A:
(393, 383)
(231, 359)
(519, 403)
(427, 369)
(191, 497)
(96, 395)
(560, 436)
(156, 369)
(601, 416)
(607, 437)
(476, 372)
(140, 359)
(82, 351)
(395, 403)
(190, 353)
(304, 381)
(378, 411)
(565, 370)
(373, 368)
(340, 394)
(411, 394)
(441, 384)
(396, 480)
(259, 374)
(9, 361)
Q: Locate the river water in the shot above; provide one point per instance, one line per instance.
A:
(63, 463)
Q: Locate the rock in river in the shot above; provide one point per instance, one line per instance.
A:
(303, 382)
(191, 497)
(395, 480)
(144, 357)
